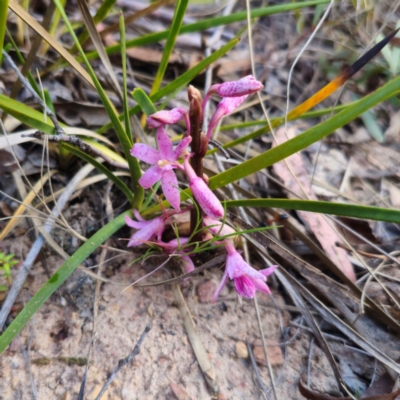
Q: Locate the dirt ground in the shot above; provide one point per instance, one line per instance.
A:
(59, 336)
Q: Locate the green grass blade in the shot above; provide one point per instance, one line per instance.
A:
(59, 278)
(307, 138)
(144, 101)
(3, 24)
(125, 141)
(27, 115)
(323, 207)
(102, 168)
(124, 76)
(182, 81)
(211, 23)
(180, 10)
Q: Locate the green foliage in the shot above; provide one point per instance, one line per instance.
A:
(3, 19)
(6, 262)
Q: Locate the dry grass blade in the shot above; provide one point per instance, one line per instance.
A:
(30, 21)
(98, 44)
(140, 14)
(12, 223)
(334, 320)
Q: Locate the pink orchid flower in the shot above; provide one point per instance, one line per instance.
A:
(247, 279)
(173, 246)
(146, 230)
(207, 200)
(163, 162)
(164, 117)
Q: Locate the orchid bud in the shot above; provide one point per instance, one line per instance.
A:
(206, 199)
(242, 87)
(170, 117)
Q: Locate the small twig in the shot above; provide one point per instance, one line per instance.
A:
(75, 141)
(254, 365)
(219, 147)
(26, 83)
(123, 362)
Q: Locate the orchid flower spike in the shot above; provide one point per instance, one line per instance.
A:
(247, 279)
(207, 200)
(161, 118)
(146, 230)
(172, 247)
(243, 86)
(163, 162)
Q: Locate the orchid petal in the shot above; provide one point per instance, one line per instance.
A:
(165, 117)
(268, 271)
(245, 287)
(188, 264)
(220, 286)
(165, 145)
(207, 200)
(261, 286)
(169, 184)
(236, 267)
(150, 177)
(145, 153)
(152, 228)
(135, 224)
(182, 146)
(137, 215)
(243, 86)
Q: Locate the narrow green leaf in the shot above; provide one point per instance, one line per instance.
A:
(324, 207)
(124, 75)
(102, 168)
(27, 115)
(211, 23)
(182, 81)
(59, 278)
(180, 10)
(3, 23)
(144, 101)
